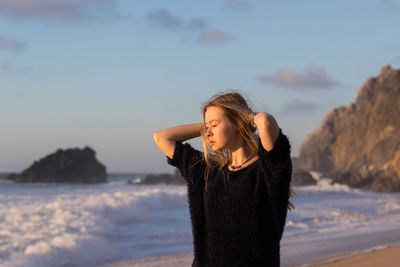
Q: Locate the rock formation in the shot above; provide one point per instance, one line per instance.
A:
(64, 166)
(301, 177)
(163, 178)
(359, 144)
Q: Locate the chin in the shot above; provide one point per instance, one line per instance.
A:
(214, 148)
(217, 147)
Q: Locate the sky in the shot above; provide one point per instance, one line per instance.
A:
(109, 73)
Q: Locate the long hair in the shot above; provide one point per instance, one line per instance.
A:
(238, 112)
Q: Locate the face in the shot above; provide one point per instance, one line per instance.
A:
(219, 131)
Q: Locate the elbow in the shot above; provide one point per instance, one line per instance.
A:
(159, 136)
(266, 121)
(156, 137)
(270, 120)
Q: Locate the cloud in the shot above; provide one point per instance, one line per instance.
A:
(61, 10)
(163, 18)
(299, 107)
(214, 36)
(11, 45)
(314, 77)
(198, 23)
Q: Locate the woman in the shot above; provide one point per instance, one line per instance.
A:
(239, 187)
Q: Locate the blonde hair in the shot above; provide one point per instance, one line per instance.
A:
(238, 112)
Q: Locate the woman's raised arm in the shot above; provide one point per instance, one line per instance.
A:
(166, 139)
(268, 129)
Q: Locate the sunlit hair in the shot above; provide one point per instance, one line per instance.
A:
(238, 112)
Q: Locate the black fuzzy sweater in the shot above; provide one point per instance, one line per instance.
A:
(239, 222)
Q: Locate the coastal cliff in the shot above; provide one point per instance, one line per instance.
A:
(359, 144)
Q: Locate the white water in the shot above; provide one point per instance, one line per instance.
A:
(88, 225)
(332, 219)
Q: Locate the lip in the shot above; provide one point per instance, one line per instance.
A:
(212, 142)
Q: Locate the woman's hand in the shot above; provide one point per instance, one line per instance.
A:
(268, 129)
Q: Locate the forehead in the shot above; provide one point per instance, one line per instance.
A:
(213, 113)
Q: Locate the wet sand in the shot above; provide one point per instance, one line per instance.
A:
(171, 260)
(382, 257)
(378, 256)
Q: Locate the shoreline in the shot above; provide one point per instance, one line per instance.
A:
(295, 253)
(381, 255)
(182, 259)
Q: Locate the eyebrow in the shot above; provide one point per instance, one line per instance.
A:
(211, 121)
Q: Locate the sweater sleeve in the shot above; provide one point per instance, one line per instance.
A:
(277, 166)
(187, 159)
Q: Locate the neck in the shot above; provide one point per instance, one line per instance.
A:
(240, 154)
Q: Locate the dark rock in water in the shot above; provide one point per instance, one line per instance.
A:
(163, 178)
(302, 177)
(64, 166)
(359, 144)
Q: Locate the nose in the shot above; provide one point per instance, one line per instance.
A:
(208, 131)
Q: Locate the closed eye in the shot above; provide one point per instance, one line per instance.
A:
(211, 126)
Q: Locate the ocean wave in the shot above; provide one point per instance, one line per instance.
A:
(75, 228)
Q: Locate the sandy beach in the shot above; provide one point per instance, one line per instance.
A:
(383, 257)
(171, 260)
(378, 256)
